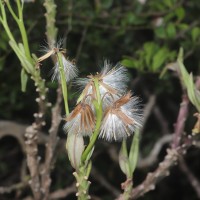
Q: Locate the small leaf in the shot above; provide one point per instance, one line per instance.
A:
(134, 151)
(195, 34)
(24, 79)
(128, 62)
(149, 49)
(160, 32)
(171, 30)
(123, 159)
(159, 58)
(75, 148)
(188, 82)
(180, 12)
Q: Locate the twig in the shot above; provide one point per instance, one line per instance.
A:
(163, 170)
(152, 157)
(97, 176)
(161, 120)
(16, 130)
(33, 159)
(147, 111)
(51, 145)
(180, 122)
(81, 43)
(171, 157)
(62, 193)
(192, 179)
(14, 187)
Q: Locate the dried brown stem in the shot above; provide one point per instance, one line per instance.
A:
(162, 171)
(62, 193)
(180, 122)
(51, 145)
(153, 155)
(192, 179)
(31, 142)
(14, 187)
(171, 157)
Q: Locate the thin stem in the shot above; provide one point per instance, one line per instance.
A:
(11, 11)
(63, 82)
(4, 22)
(99, 113)
(94, 135)
(20, 22)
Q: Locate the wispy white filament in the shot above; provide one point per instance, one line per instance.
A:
(70, 70)
(75, 126)
(112, 83)
(114, 127)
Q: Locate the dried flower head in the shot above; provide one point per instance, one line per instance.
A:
(70, 69)
(112, 84)
(81, 120)
(121, 119)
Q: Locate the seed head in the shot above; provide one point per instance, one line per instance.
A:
(121, 119)
(112, 84)
(81, 120)
(70, 70)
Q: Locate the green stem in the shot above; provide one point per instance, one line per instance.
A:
(99, 114)
(5, 23)
(128, 189)
(82, 183)
(20, 22)
(63, 82)
(94, 135)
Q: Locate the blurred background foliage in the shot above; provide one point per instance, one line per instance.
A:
(145, 36)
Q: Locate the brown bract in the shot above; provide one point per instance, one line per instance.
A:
(87, 118)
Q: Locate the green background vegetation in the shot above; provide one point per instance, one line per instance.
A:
(145, 38)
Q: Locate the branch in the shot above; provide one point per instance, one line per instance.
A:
(192, 179)
(33, 160)
(97, 176)
(180, 122)
(14, 187)
(62, 193)
(152, 157)
(162, 171)
(51, 145)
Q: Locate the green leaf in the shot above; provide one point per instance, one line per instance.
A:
(171, 30)
(180, 12)
(159, 58)
(195, 33)
(160, 32)
(149, 49)
(134, 151)
(123, 159)
(128, 62)
(183, 26)
(168, 3)
(24, 79)
(106, 3)
(188, 82)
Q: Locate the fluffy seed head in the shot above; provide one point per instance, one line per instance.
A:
(112, 84)
(121, 119)
(81, 120)
(70, 70)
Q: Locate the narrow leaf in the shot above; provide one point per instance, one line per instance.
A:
(24, 79)
(123, 159)
(133, 155)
